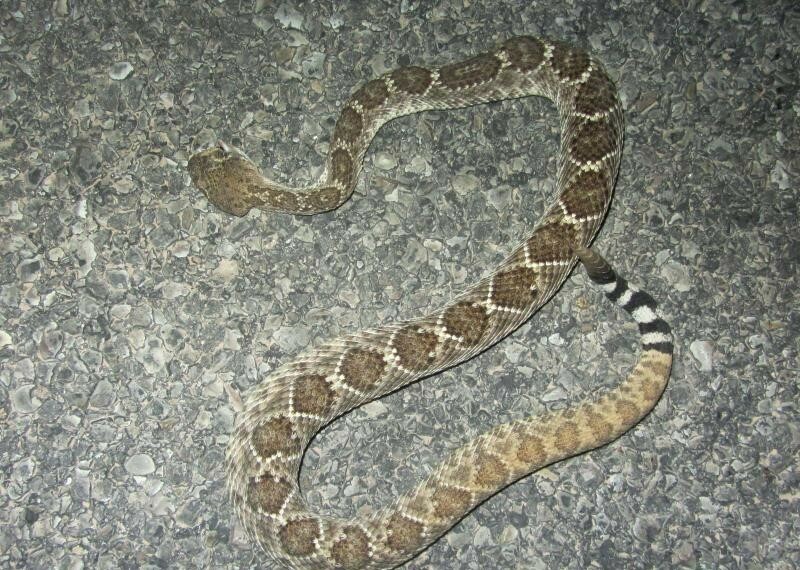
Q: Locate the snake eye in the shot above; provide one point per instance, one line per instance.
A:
(223, 146)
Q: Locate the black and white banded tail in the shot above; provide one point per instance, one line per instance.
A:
(655, 331)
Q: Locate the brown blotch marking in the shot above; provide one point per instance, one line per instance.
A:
(450, 503)
(362, 368)
(489, 471)
(659, 364)
(313, 395)
(341, 166)
(586, 194)
(417, 506)
(299, 537)
(652, 388)
(349, 126)
(274, 436)
(592, 141)
(466, 320)
(505, 445)
(551, 243)
(524, 53)
(596, 95)
(470, 72)
(531, 449)
(567, 436)
(627, 411)
(327, 198)
(269, 494)
(352, 550)
(282, 199)
(412, 80)
(569, 63)
(459, 472)
(403, 534)
(414, 347)
(600, 428)
(515, 288)
(371, 95)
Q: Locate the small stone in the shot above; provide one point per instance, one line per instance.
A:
(22, 402)
(500, 198)
(153, 358)
(50, 344)
(293, 338)
(465, 183)
(56, 253)
(103, 395)
(120, 71)
(203, 420)
(140, 464)
(483, 537)
(509, 534)
(385, 161)
(231, 340)
(188, 515)
(28, 270)
(24, 470)
(374, 409)
(703, 352)
(419, 165)
(677, 275)
(173, 290)
(457, 539)
(354, 488)
(181, 249)
(555, 395)
(86, 256)
(118, 279)
(289, 18)
(313, 65)
(120, 311)
(167, 100)
(61, 8)
(645, 528)
(226, 270)
(433, 245)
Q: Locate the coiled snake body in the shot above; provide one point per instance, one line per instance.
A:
(284, 412)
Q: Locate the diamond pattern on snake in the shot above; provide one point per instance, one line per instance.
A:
(286, 410)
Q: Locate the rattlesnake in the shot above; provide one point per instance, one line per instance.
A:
(283, 413)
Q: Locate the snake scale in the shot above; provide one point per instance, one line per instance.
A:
(286, 410)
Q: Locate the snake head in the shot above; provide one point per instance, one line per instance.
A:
(224, 174)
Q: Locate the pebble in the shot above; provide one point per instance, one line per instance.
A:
(385, 161)
(482, 537)
(703, 352)
(120, 71)
(103, 395)
(86, 256)
(289, 18)
(22, 402)
(140, 464)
